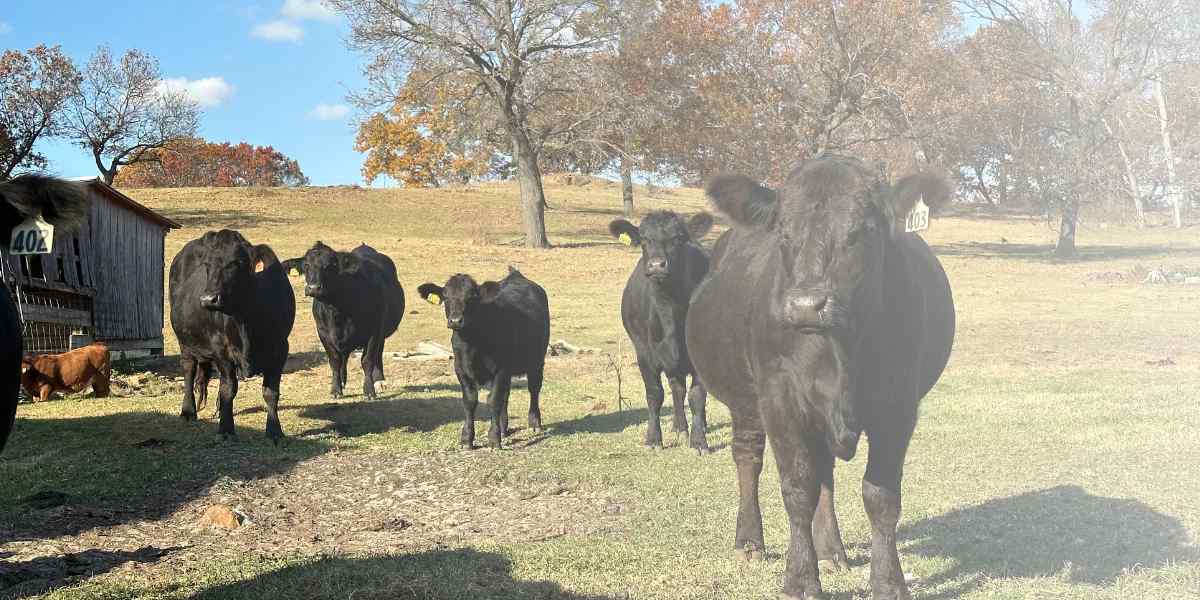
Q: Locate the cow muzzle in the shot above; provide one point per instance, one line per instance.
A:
(212, 301)
(808, 309)
(454, 323)
(314, 291)
(657, 268)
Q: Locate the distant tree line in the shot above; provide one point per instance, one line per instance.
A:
(119, 110)
(1044, 106)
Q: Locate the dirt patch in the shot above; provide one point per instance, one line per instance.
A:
(341, 502)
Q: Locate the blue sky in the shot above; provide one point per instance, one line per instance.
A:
(268, 72)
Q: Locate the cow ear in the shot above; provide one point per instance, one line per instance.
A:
(626, 232)
(744, 200)
(489, 291)
(293, 264)
(902, 198)
(699, 225)
(432, 293)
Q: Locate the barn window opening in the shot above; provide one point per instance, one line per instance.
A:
(32, 267)
(79, 263)
(62, 269)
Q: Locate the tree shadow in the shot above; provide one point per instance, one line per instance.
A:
(1062, 532)
(356, 417)
(1044, 253)
(43, 574)
(208, 218)
(68, 475)
(430, 575)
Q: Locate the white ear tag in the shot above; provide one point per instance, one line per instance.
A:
(918, 217)
(32, 236)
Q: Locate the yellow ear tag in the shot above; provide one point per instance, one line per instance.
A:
(434, 299)
(259, 266)
(625, 239)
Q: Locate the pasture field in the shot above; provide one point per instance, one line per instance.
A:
(1057, 457)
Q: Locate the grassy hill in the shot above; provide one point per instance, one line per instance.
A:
(1056, 458)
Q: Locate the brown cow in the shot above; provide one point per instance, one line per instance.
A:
(71, 371)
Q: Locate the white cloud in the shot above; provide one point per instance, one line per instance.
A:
(5, 28)
(307, 9)
(329, 112)
(278, 31)
(207, 92)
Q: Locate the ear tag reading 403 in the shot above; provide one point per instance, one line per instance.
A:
(33, 236)
(918, 218)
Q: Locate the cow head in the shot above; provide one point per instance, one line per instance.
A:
(325, 270)
(663, 237)
(461, 297)
(229, 265)
(832, 222)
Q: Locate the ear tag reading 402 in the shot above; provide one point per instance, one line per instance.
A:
(918, 218)
(33, 236)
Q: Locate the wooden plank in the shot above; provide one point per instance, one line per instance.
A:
(65, 316)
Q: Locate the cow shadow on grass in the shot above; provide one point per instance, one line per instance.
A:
(38, 576)
(431, 575)
(64, 476)
(1061, 532)
(170, 365)
(1044, 253)
(353, 417)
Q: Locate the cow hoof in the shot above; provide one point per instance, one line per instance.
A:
(381, 386)
(747, 555)
(187, 416)
(226, 437)
(833, 565)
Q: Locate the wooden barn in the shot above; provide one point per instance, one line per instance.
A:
(105, 282)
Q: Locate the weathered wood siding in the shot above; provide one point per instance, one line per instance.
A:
(127, 257)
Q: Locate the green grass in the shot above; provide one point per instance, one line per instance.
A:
(1051, 461)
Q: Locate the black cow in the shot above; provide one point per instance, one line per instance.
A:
(63, 204)
(500, 330)
(820, 317)
(357, 303)
(654, 308)
(231, 308)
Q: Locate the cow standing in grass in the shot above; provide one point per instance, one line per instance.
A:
(63, 204)
(357, 303)
(501, 329)
(654, 308)
(232, 308)
(822, 317)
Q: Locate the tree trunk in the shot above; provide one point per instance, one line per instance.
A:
(1168, 154)
(107, 172)
(627, 187)
(1065, 248)
(533, 197)
(1139, 210)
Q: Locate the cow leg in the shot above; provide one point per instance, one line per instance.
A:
(377, 374)
(270, 392)
(882, 500)
(698, 401)
(800, 482)
(679, 424)
(498, 398)
(749, 441)
(188, 410)
(654, 402)
(225, 395)
(44, 393)
(534, 381)
(369, 367)
(470, 401)
(100, 382)
(827, 536)
(343, 373)
(336, 382)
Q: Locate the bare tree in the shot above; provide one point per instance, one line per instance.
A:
(34, 88)
(502, 44)
(1087, 67)
(123, 111)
